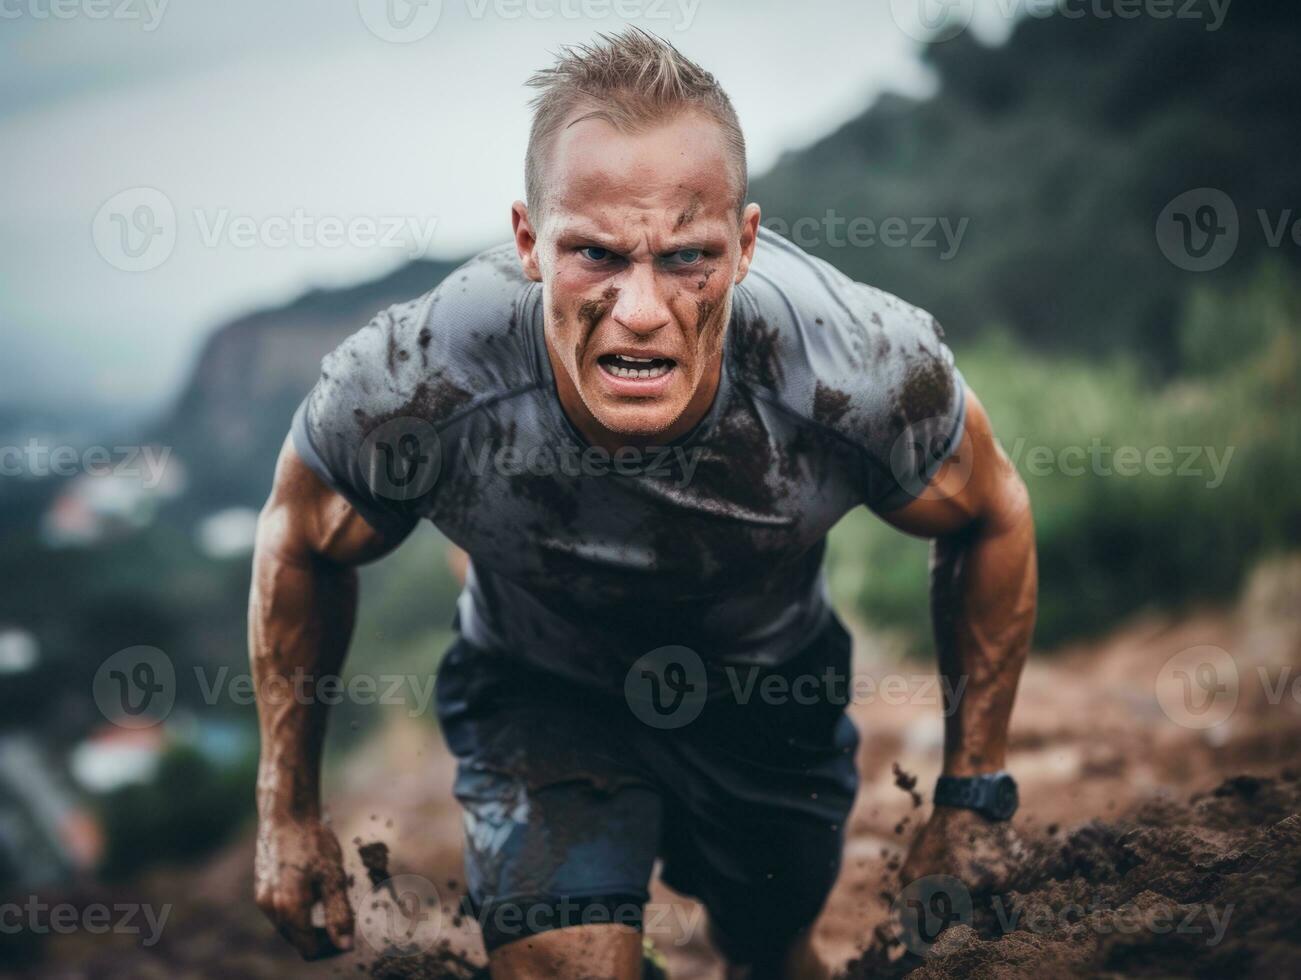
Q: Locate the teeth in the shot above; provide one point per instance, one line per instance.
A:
(637, 374)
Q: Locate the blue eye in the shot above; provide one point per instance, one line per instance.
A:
(688, 256)
(596, 253)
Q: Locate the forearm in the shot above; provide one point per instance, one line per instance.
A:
(983, 596)
(301, 615)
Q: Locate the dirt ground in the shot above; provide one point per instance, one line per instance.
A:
(1160, 809)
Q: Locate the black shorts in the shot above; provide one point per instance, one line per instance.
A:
(570, 797)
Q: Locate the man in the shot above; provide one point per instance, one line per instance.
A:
(640, 420)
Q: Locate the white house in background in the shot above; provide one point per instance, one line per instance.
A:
(228, 533)
(94, 507)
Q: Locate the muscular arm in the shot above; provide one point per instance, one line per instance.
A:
(983, 595)
(301, 610)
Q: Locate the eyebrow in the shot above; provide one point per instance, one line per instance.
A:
(675, 242)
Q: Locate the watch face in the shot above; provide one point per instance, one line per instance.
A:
(1004, 800)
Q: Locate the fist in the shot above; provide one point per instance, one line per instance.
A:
(298, 864)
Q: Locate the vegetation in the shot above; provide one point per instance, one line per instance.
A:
(1207, 489)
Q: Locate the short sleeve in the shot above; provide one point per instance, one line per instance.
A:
(912, 394)
(920, 435)
(363, 434)
(867, 365)
(908, 395)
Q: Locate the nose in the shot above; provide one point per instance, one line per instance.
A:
(640, 308)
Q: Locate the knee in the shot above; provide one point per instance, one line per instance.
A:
(606, 950)
(783, 956)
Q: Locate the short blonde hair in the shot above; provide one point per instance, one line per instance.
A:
(632, 79)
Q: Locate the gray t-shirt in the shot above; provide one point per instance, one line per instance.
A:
(833, 394)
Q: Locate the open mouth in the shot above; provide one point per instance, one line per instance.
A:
(635, 368)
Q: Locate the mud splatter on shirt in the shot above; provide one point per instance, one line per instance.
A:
(833, 395)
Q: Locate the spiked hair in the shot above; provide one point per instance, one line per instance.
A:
(632, 80)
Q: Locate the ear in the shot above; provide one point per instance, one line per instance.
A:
(526, 241)
(749, 237)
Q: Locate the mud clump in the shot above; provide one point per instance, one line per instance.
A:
(1210, 888)
(440, 963)
(927, 391)
(829, 404)
(907, 782)
(374, 858)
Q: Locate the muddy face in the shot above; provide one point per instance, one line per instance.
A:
(638, 247)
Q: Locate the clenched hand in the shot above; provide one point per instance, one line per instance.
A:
(299, 863)
(983, 854)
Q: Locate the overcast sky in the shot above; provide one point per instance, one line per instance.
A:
(263, 132)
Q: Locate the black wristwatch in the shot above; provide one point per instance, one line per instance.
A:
(992, 795)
